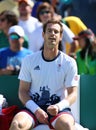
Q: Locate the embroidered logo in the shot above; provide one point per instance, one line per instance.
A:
(76, 78)
(59, 67)
(37, 67)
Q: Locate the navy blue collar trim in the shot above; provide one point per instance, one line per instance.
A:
(52, 59)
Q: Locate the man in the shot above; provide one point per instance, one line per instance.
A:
(44, 77)
(11, 57)
(26, 21)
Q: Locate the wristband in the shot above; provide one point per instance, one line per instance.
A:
(63, 104)
(32, 106)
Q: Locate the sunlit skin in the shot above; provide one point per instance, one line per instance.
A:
(16, 45)
(82, 42)
(24, 10)
(52, 37)
(45, 17)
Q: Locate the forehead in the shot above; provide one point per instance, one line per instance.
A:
(53, 26)
(22, 3)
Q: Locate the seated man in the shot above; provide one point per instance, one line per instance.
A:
(11, 57)
(44, 77)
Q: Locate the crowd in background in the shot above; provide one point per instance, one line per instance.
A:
(21, 27)
(78, 40)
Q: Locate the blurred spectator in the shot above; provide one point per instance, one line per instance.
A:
(8, 19)
(26, 21)
(65, 7)
(86, 56)
(11, 57)
(36, 4)
(76, 25)
(9, 5)
(46, 12)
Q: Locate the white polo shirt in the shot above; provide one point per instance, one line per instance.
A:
(49, 79)
(29, 26)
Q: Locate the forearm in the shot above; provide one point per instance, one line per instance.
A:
(2, 72)
(69, 99)
(28, 102)
(5, 72)
(72, 95)
(24, 97)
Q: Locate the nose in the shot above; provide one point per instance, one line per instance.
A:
(53, 32)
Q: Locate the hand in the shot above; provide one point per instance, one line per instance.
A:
(53, 110)
(6, 71)
(42, 116)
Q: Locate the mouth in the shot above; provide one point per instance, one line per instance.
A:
(52, 39)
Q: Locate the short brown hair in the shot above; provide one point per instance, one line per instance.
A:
(53, 21)
(45, 5)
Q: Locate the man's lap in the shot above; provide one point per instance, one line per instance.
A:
(51, 119)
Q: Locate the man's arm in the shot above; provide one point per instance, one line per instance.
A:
(24, 96)
(7, 71)
(64, 103)
(24, 88)
(72, 94)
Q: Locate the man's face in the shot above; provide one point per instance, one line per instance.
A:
(52, 35)
(24, 9)
(15, 40)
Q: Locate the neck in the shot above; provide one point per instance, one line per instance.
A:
(16, 49)
(24, 17)
(50, 54)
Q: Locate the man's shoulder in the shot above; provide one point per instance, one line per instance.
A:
(34, 54)
(64, 55)
(32, 58)
(67, 58)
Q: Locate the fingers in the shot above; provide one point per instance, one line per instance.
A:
(52, 110)
(43, 120)
(46, 121)
(41, 116)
